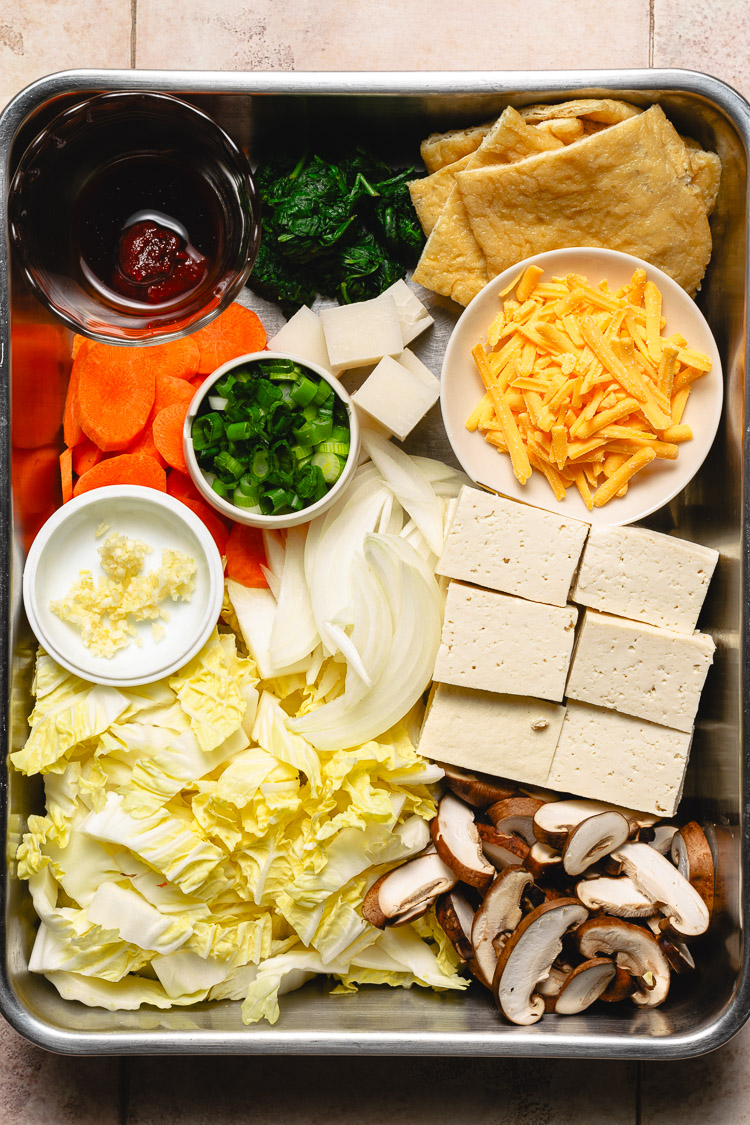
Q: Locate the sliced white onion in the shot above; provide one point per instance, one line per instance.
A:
(294, 634)
(410, 486)
(216, 402)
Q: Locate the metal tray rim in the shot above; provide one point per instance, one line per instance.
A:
(515, 85)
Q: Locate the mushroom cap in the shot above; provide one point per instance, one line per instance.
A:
(477, 789)
(584, 985)
(659, 837)
(635, 949)
(621, 987)
(541, 860)
(617, 896)
(455, 914)
(456, 837)
(555, 819)
(691, 853)
(528, 956)
(593, 838)
(498, 915)
(515, 816)
(653, 874)
(407, 891)
(502, 849)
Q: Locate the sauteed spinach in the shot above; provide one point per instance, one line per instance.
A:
(343, 228)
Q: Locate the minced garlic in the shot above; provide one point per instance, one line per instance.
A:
(106, 610)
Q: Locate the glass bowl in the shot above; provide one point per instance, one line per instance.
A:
(95, 178)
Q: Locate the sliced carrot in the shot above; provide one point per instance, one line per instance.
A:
(128, 468)
(85, 456)
(35, 476)
(236, 331)
(181, 487)
(116, 389)
(214, 523)
(144, 443)
(66, 474)
(72, 432)
(167, 429)
(246, 555)
(40, 367)
(170, 390)
(198, 381)
(78, 343)
(178, 358)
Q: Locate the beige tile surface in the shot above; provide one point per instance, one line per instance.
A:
(37, 1088)
(38, 37)
(712, 1090)
(377, 1091)
(390, 35)
(707, 35)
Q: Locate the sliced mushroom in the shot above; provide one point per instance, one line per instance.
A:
(534, 896)
(635, 950)
(501, 848)
(455, 835)
(653, 874)
(621, 986)
(528, 955)
(407, 891)
(592, 839)
(478, 790)
(456, 915)
(584, 985)
(550, 986)
(619, 897)
(659, 837)
(691, 853)
(556, 819)
(677, 953)
(498, 915)
(515, 816)
(541, 860)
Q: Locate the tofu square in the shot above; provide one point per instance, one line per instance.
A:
(494, 642)
(396, 396)
(361, 333)
(617, 758)
(512, 547)
(655, 674)
(646, 576)
(507, 735)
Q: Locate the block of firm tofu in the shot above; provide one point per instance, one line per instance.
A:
(396, 396)
(646, 576)
(512, 547)
(494, 642)
(302, 336)
(627, 666)
(510, 736)
(620, 759)
(362, 333)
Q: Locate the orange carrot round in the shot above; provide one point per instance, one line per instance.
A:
(245, 555)
(144, 443)
(128, 468)
(181, 487)
(167, 429)
(85, 456)
(213, 522)
(66, 474)
(170, 390)
(236, 331)
(177, 358)
(116, 389)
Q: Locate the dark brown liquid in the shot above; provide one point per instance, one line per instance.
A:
(141, 186)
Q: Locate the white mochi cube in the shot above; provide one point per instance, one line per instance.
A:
(362, 333)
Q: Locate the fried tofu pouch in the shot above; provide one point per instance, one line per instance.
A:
(629, 187)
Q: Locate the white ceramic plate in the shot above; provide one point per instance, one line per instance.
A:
(461, 390)
(67, 544)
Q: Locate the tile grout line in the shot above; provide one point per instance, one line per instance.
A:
(650, 32)
(133, 28)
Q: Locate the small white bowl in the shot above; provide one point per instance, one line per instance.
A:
(461, 389)
(256, 519)
(67, 544)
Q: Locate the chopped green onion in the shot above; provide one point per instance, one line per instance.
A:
(323, 392)
(340, 448)
(228, 465)
(304, 391)
(330, 466)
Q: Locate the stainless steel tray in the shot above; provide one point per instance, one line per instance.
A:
(395, 111)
